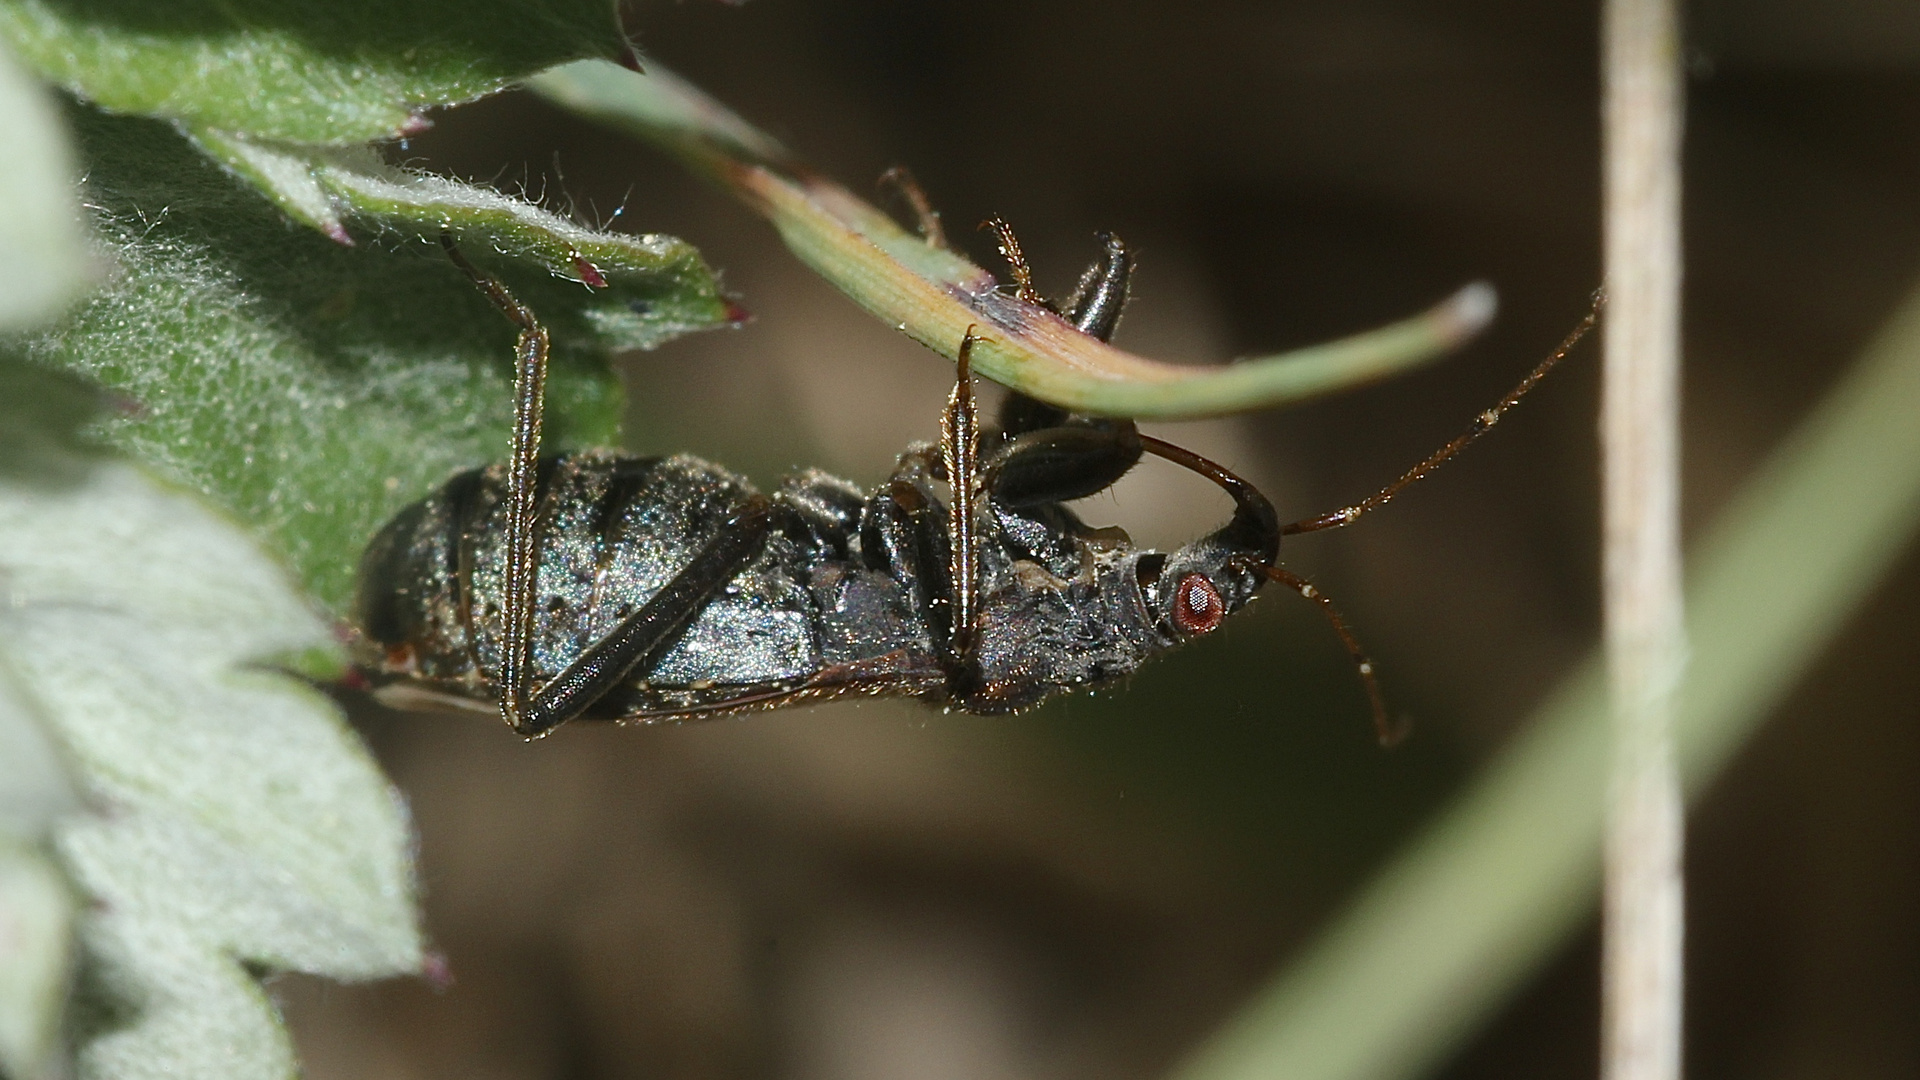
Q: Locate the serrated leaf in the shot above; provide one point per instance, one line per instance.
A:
(240, 823)
(43, 258)
(315, 71)
(310, 388)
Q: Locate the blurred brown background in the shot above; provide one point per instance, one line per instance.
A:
(877, 890)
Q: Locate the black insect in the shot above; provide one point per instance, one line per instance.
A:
(596, 585)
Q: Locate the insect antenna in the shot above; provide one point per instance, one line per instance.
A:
(1388, 730)
(1482, 423)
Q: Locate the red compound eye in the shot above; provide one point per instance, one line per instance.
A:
(1196, 605)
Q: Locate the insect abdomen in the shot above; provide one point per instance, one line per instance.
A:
(612, 531)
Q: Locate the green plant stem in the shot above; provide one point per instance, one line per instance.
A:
(1446, 931)
(933, 294)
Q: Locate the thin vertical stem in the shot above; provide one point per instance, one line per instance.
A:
(1646, 645)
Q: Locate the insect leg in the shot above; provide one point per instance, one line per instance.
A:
(959, 451)
(1098, 299)
(1009, 245)
(1058, 464)
(1482, 424)
(903, 536)
(1102, 293)
(529, 402)
(1048, 454)
(607, 662)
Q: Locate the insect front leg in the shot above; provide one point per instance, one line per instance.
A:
(1060, 464)
(1045, 453)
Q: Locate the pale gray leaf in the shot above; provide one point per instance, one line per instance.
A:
(237, 820)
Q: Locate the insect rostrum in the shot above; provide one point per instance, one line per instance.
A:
(669, 588)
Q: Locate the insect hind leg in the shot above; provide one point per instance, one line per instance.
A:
(529, 407)
(657, 623)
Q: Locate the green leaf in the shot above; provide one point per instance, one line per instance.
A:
(43, 258)
(314, 71)
(668, 290)
(1500, 881)
(312, 389)
(43, 443)
(934, 295)
(238, 822)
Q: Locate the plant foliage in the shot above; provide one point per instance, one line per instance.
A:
(312, 71)
(273, 357)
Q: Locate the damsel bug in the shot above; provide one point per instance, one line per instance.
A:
(595, 585)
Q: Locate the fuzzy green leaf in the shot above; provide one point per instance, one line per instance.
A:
(314, 71)
(42, 256)
(666, 288)
(239, 823)
(312, 389)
